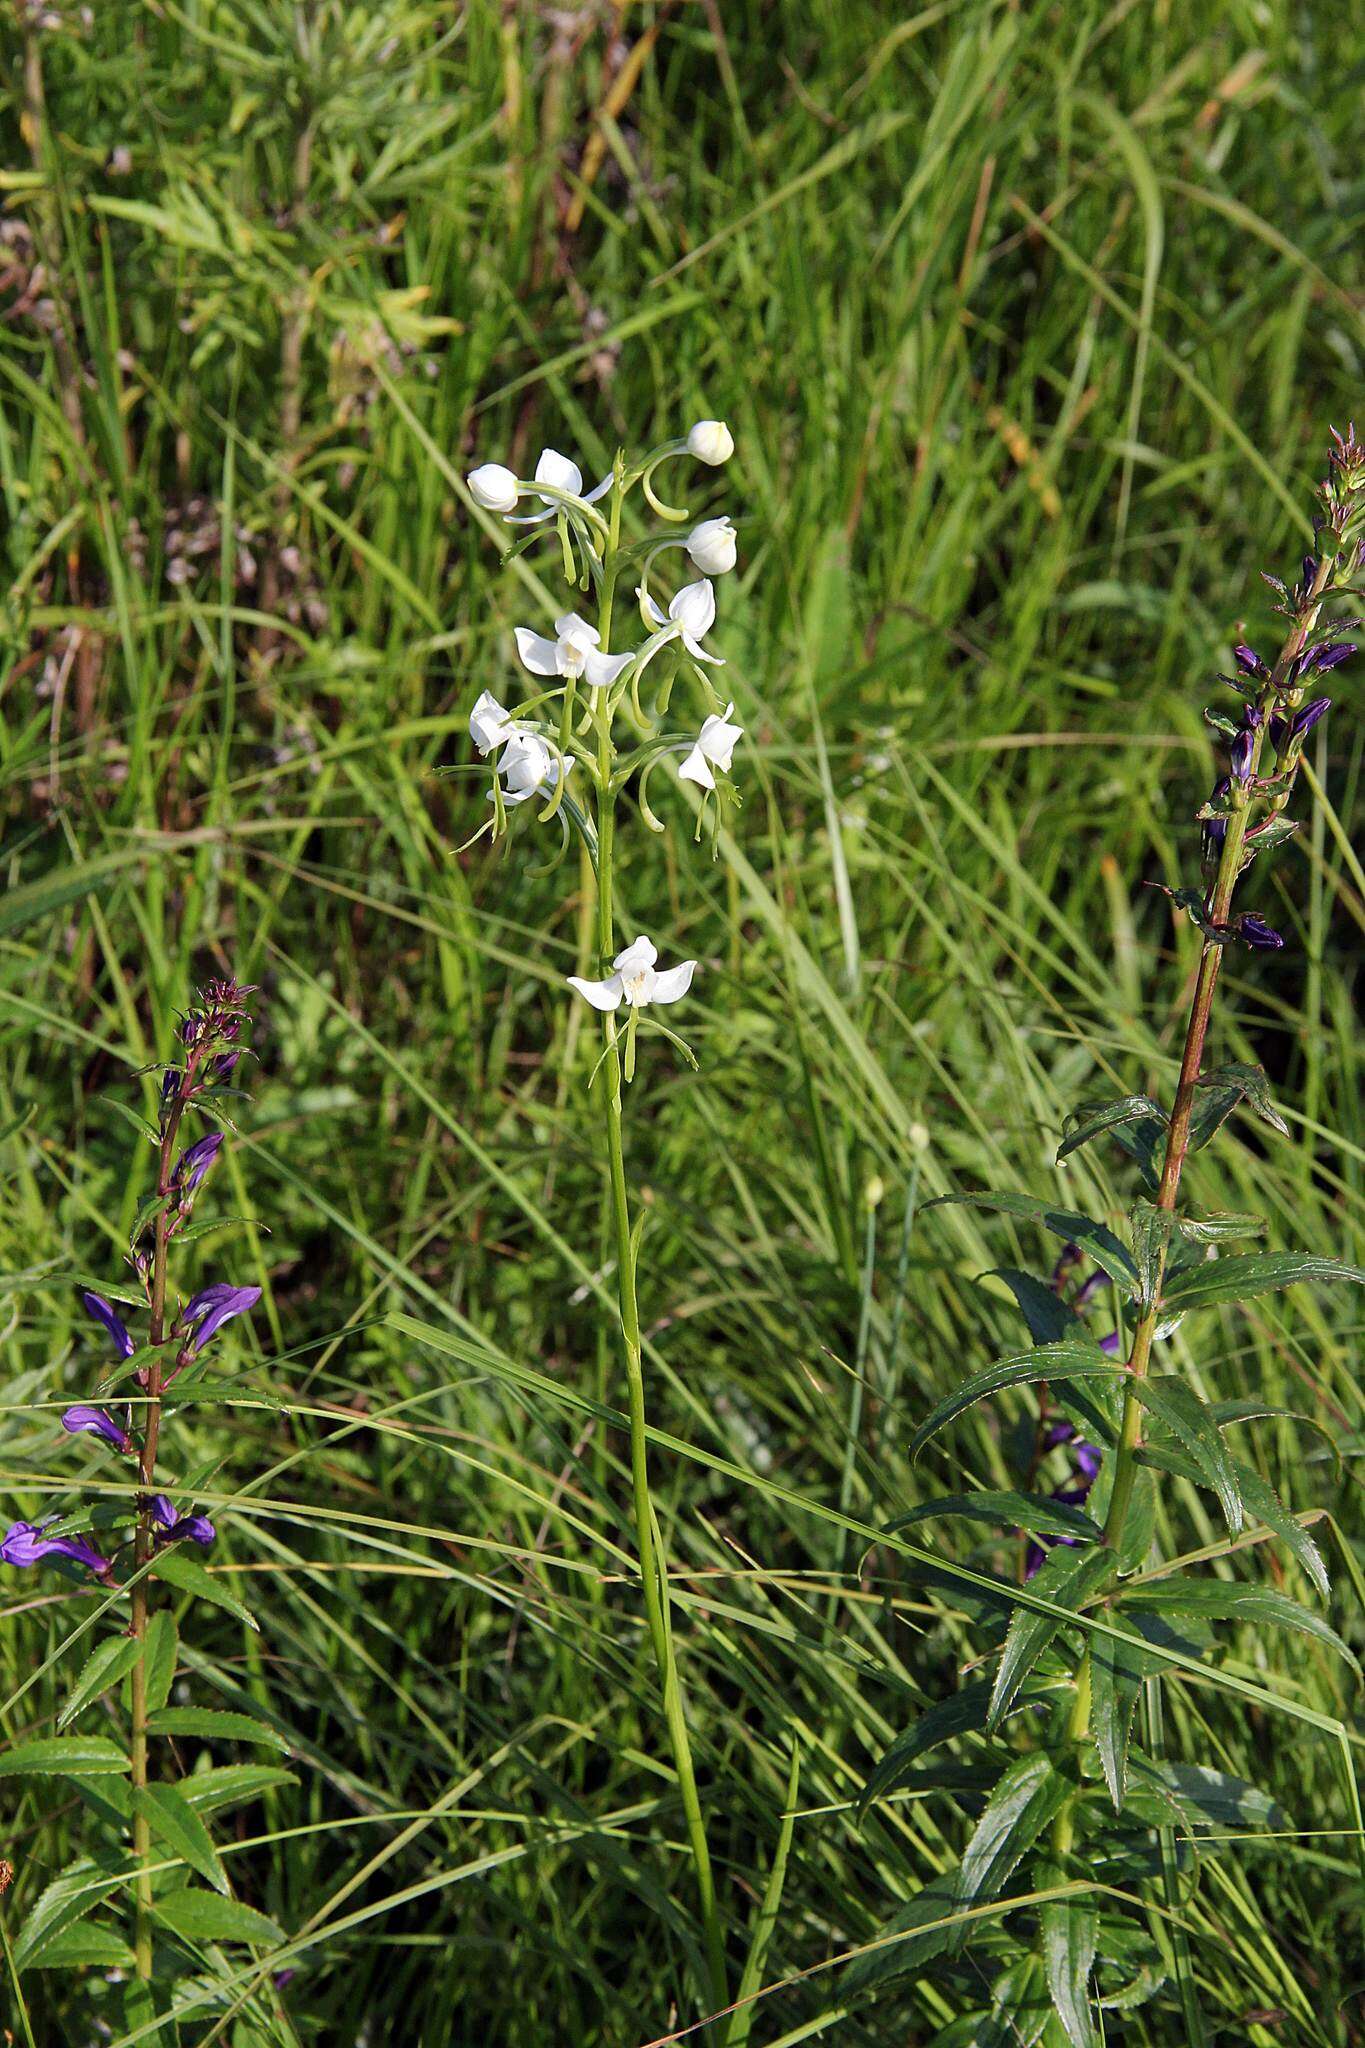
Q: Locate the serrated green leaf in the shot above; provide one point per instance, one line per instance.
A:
(1068, 1578)
(1026, 1800)
(1224, 1089)
(67, 1900)
(1224, 1600)
(1092, 1119)
(1070, 1931)
(180, 1827)
(203, 1916)
(1253, 1273)
(67, 1756)
(962, 1712)
(1220, 1225)
(232, 1785)
(1050, 1362)
(1179, 1409)
(1210, 1798)
(1117, 1671)
(188, 1577)
(213, 1724)
(162, 1656)
(1095, 1238)
(80, 1947)
(107, 1663)
(1265, 1504)
(1151, 1232)
(917, 1932)
(1035, 1512)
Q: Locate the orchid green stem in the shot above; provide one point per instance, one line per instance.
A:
(648, 1544)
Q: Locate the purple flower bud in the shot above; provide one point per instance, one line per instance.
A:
(195, 1161)
(1257, 932)
(24, 1544)
(214, 1306)
(1320, 659)
(170, 1085)
(1310, 570)
(95, 1422)
(222, 1065)
(172, 1528)
(1240, 755)
(1307, 718)
(192, 1029)
(1249, 661)
(1216, 829)
(104, 1312)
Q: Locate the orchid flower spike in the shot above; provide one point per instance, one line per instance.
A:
(24, 1543)
(691, 613)
(489, 724)
(528, 766)
(556, 469)
(104, 1312)
(96, 1422)
(634, 981)
(713, 545)
(493, 487)
(574, 651)
(714, 747)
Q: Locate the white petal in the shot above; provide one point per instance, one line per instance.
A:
(696, 769)
(493, 487)
(578, 633)
(598, 490)
(711, 441)
(650, 609)
(554, 468)
(673, 983)
(699, 653)
(638, 955)
(694, 608)
(601, 669)
(489, 725)
(603, 995)
(717, 740)
(537, 653)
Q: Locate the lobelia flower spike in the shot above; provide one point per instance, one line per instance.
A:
(1082, 1795)
(607, 739)
(209, 1055)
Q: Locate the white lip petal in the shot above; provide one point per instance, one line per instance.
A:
(603, 995)
(696, 769)
(601, 669)
(537, 653)
(578, 633)
(598, 490)
(673, 983)
(638, 955)
(694, 608)
(699, 653)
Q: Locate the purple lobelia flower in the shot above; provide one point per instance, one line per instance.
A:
(1241, 752)
(1286, 731)
(214, 1306)
(171, 1527)
(195, 1161)
(104, 1312)
(1256, 932)
(1088, 1459)
(96, 1422)
(24, 1543)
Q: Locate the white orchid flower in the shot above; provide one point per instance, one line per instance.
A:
(493, 487)
(634, 981)
(711, 441)
(574, 651)
(557, 470)
(489, 724)
(528, 767)
(713, 546)
(691, 613)
(714, 747)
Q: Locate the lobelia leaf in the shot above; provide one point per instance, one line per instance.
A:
(1079, 1359)
(1219, 1225)
(916, 1933)
(216, 1725)
(188, 1577)
(179, 1826)
(1033, 1512)
(80, 1947)
(1095, 1238)
(203, 1916)
(1151, 1233)
(1262, 1502)
(962, 1713)
(232, 1785)
(1221, 1091)
(80, 1888)
(1252, 1273)
(107, 1663)
(67, 1756)
(1210, 1798)
(1026, 1800)
(162, 1655)
(1049, 1319)
(1070, 1930)
(1226, 1600)
(1092, 1119)
(1117, 1671)
(1179, 1409)
(1020, 2008)
(1068, 1578)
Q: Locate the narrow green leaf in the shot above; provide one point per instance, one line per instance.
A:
(203, 1916)
(1252, 1273)
(918, 1931)
(213, 1724)
(1034, 1512)
(1096, 1238)
(1091, 1119)
(1210, 1798)
(80, 1947)
(67, 1756)
(107, 1663)
(1219, 1225)
(162, 1655)
(188, 1577)
(180, 1827)
(1224, 1600)
(81, 1887)
(1070, 1930)
(1117, 1670)
(1179, 1409)
(1151, 1232)
(1026, 1800)
(1079, 1359)
(232, 1785)
(1067, 1577)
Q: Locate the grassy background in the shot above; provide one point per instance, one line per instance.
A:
(1029, 321)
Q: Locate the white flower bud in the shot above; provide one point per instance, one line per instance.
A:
(493, 487)
(712, 545)
(711, 441)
